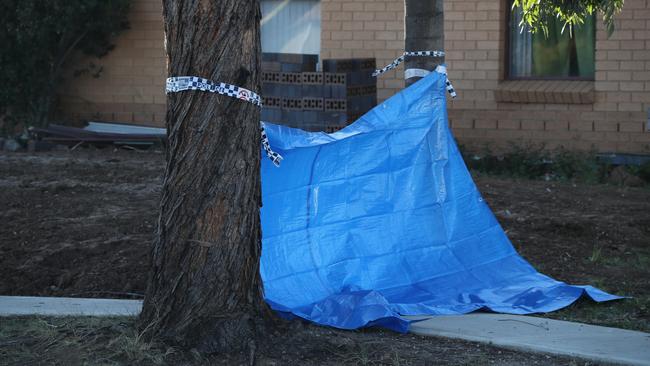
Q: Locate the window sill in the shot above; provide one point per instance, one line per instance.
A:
(546, 91)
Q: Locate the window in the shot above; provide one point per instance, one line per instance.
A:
(558, 56)
(291, 26)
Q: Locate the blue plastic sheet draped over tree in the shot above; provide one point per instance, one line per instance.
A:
(382, 219)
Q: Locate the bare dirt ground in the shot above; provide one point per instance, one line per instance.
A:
(81, 223)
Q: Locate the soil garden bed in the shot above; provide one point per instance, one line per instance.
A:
(81, 223)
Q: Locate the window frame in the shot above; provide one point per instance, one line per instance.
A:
(507, 75)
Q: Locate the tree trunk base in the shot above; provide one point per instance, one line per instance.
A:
(229, 335)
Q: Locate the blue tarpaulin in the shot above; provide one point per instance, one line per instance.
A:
(382, 219)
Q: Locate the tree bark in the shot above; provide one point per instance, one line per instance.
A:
(204, 289)
(425, 31)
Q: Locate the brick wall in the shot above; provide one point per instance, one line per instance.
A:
(130, 87)
(609, 117)
(608, 114)
(372, 28)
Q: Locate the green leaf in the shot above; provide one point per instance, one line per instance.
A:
(536, 14)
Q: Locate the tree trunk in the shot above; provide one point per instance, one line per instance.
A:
(425, 31)
(204, 289)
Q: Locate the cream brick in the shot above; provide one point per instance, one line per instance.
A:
(374, 25)
(363, 16)
(455, 35)
(475, 35)
(352, 6)
(641, 97)
(630, 126)
(341, 16)
(330, 6)
(397, 6)
(350, 26)
(485, 124)
(374, 45)
(618, 97)
(487, 25)
(608, 45)
(487, 45)
(633, 45)
(608, 65)
(375, 6)
(395, 26)
(464, 25)
(386, 16)
(341, 36)
(362, 53)
(509, 125)
(630, 107)
(340, 53)
(641, 34)
(464, 45)
(487, 65)
(602, 107)
(488, 5)
(581, 125)
(637, 86)
(462, 124)
(475, 15)
(607, 86)
(641, 55)
(534, 125)
(474, 74)
(331, 26)
(477, 55)
(621, 35)
(619, 75)
(386, 35)
(352, 44)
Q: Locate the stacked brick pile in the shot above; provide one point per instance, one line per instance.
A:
(296, 95)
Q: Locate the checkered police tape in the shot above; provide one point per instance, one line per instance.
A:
(182, 83)
(275, 157)
(450, 88)
(400, 59)
(441, 69)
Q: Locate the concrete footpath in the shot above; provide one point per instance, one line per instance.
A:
(528, 333)
(66, 306)
(524, 333)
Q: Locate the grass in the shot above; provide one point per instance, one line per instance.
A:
(626, 313)
(631, 313)
(77, 341)
(596, 254)
(115, 341)
(535, 161)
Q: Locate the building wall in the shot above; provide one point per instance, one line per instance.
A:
(614, 121)
(131, 85)
(608, 114)
(372, 28)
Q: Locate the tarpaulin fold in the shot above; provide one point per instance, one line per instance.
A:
(382, 219)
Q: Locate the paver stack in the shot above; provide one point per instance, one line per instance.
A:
(296, 95)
